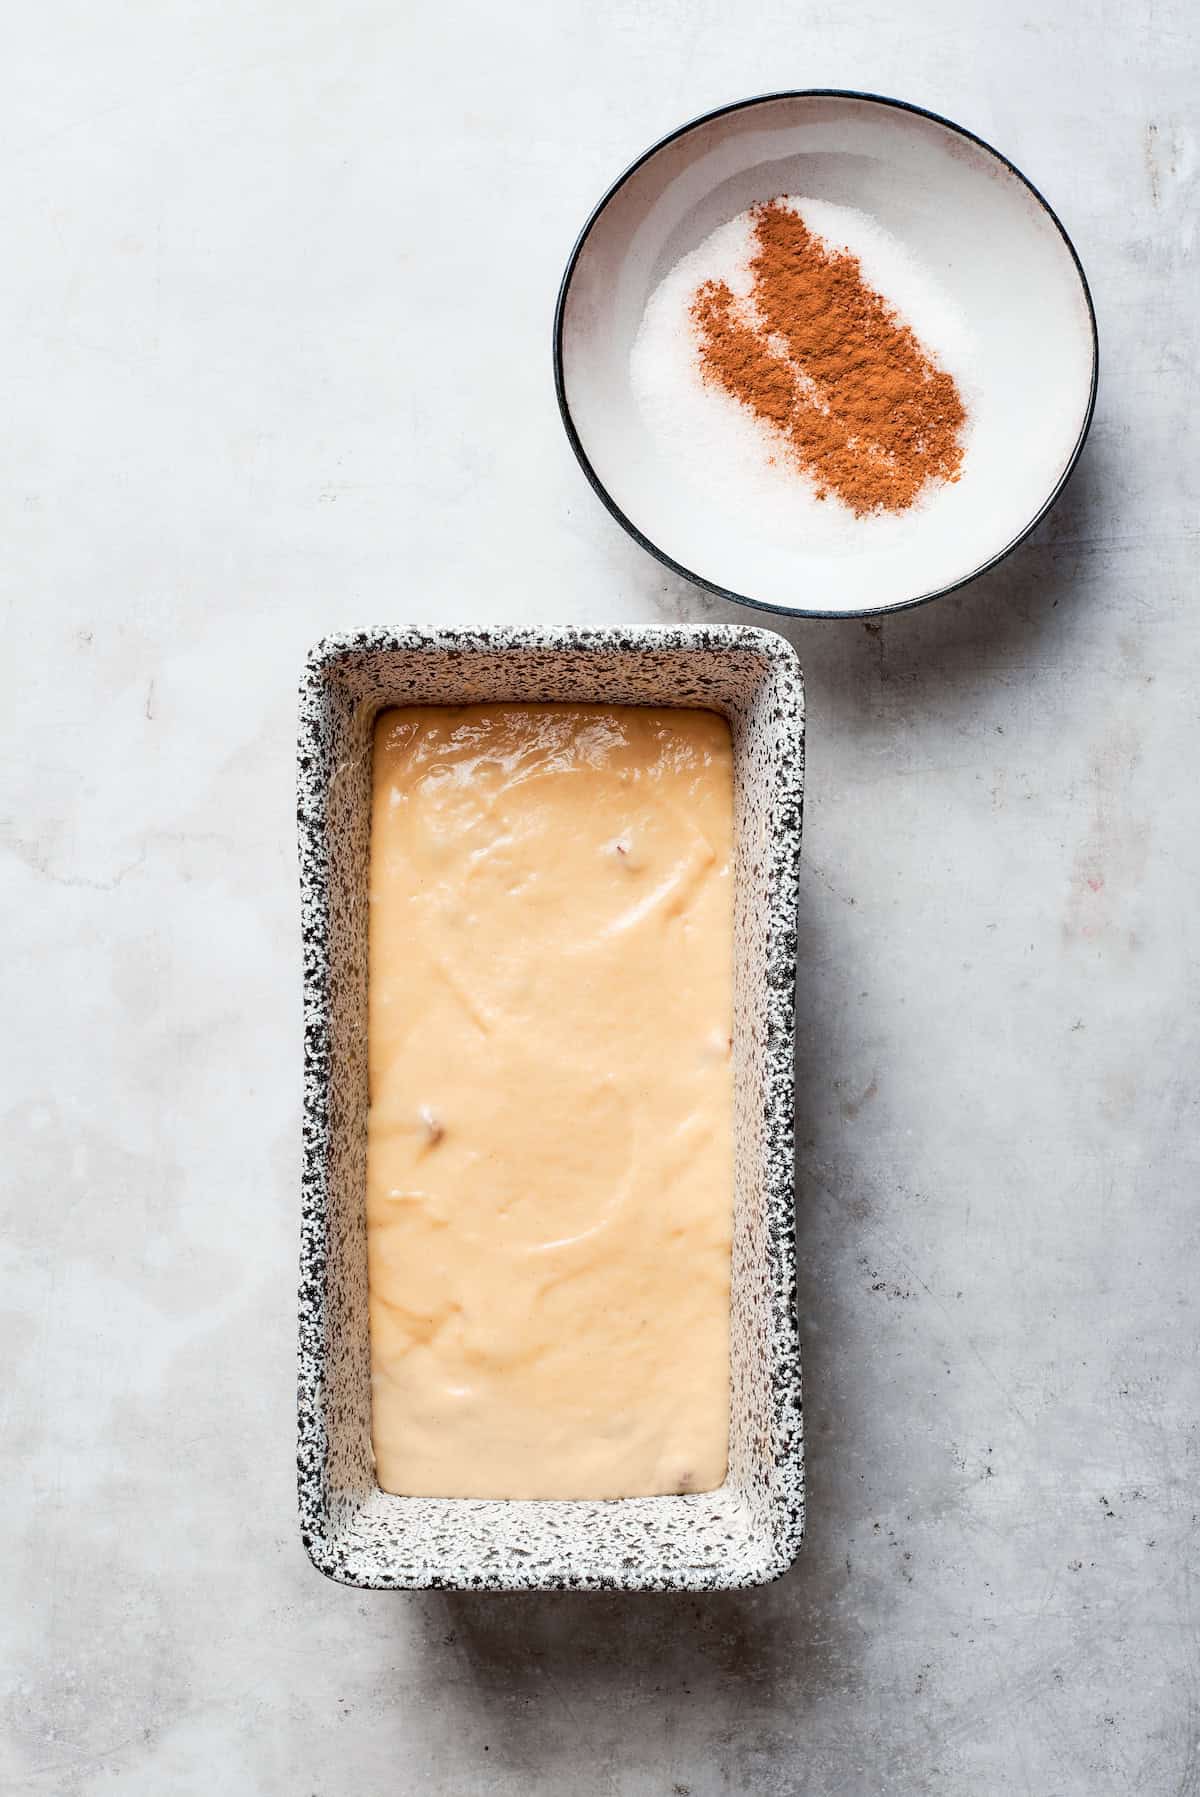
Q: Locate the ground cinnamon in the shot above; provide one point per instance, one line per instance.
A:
(823, 359)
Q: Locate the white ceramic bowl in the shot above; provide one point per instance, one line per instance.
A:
(985, 245)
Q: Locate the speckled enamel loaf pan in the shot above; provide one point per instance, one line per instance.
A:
(748, 1531)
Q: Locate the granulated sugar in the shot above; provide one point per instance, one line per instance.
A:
(716, 442)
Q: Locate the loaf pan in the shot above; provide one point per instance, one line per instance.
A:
(748, 1530)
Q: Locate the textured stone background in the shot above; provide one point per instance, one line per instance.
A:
(276, 287)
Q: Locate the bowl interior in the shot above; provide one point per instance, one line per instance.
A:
(976, 245)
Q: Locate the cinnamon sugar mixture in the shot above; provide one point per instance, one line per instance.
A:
(825, 362)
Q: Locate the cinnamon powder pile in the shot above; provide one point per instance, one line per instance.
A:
(823, 360)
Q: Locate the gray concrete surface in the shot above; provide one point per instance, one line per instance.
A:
(277, 284)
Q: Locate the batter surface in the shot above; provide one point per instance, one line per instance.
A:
(549, 1173)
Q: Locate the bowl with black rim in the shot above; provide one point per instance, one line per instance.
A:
(947, 230)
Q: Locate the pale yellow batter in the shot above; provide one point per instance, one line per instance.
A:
(549, 1183)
